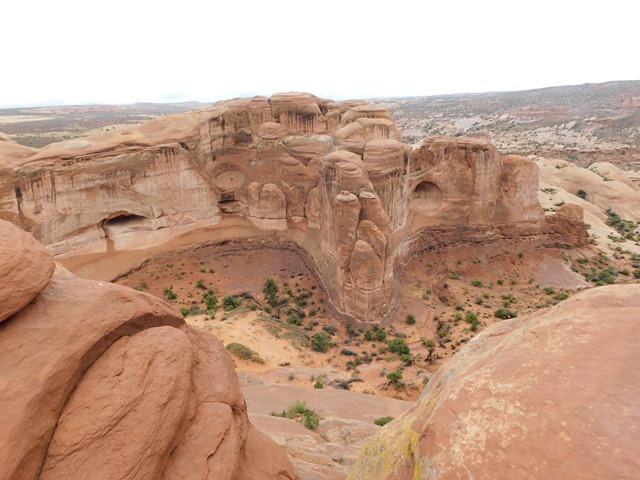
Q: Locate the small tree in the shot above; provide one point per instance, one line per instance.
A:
(395, 378)
(270, 290)
(431, 348)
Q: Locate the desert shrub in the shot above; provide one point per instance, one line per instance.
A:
(170, 294)
(231, 302)
(184, 311)
(300, 409)
(200, 284)
(330, 328)
(411, 319)
(347, 352)
(320, 342)
(294, 319)
(504, 313)
(368, 334)
(310, 420)
(549, 290)
(561, 296)
(211, 301)
(244, 352)
(476, 283)
(395, 377)
(381, 334)
(399, 346)
(382, 421)
(407, 359)
(318, 385)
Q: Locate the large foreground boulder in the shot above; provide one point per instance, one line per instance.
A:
(552, 395)
(100, 381)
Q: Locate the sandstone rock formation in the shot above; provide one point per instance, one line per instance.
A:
(553, 395)
(332, 177)
(100, 381)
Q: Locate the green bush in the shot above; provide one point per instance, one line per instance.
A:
(382, 421)
(170, 294)
(200, 284)
(470, 317)
(411, 319)
(318, 384)
(244, 352)
(320, 342)
(310, 420)
(211, 302)
(503, 313)
(368, 334)
(298, 409)
(184, 311)
(395, 377)
(231, 302)
(399, 346)
(294, 319)
(381, 335)
(476, 283)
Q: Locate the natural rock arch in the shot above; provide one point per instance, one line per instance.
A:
(426, 196)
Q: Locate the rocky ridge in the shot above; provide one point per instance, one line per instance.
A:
(331, 177)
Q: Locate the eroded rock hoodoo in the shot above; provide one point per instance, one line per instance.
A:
(332, 177)
(101, 381)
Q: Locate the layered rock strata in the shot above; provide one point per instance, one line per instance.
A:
(100, 381)
(332, 177)
(552, 395)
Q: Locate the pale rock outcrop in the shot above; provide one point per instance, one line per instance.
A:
(100, 381)
(615, 192)
(552, 395)
(308, 170)
(610, 172)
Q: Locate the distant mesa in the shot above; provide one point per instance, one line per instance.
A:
(332, 177)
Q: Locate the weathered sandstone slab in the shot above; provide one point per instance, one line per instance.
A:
(25, 269)
(101, 381)
(551, 395)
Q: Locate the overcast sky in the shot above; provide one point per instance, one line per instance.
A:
(73, 52)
